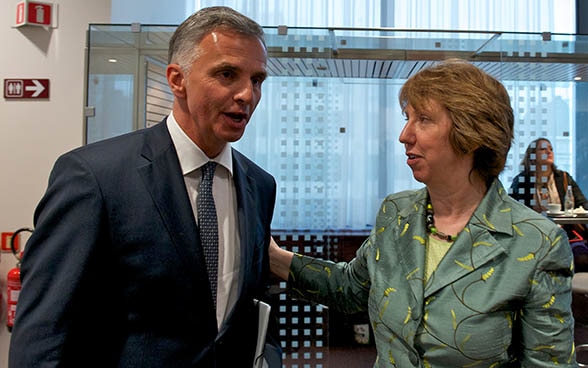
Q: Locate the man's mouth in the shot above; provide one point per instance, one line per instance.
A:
(237, 117)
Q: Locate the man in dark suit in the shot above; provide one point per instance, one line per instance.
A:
(114, 274)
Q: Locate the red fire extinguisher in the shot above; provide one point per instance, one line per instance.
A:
(13, 281)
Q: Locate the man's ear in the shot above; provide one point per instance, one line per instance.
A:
(175, 80)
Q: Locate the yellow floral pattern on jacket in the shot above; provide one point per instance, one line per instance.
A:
(499, 298)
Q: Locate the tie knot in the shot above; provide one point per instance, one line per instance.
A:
(208, 170)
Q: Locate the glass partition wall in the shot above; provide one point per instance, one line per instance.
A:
(328, 124)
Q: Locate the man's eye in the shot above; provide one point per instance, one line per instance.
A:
(257, 81)
(226, 74)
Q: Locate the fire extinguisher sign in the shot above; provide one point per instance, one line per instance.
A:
(6, 239)
(34, 13)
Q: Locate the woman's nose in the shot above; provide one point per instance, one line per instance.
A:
(405, 133)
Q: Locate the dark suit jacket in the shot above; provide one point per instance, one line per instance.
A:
(521, 186)
(114, 274)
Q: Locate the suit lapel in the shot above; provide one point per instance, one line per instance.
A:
(475, 245)
(245, 204)
(471, 251)
(163, 178)
(413, 256)
(558, 177)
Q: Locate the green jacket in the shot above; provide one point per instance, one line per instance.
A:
(499, 298)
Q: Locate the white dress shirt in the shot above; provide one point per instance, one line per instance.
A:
(225, 199)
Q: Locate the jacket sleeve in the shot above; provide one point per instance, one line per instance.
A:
(56, 258)
(547, 325)
(579, 198)
(342, 286)
(513, 191)
(519, 189)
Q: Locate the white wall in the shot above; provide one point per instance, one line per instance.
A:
(33, 133)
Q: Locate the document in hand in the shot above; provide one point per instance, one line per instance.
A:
(264, 313)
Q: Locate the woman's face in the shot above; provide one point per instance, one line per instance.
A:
(543, 155)
(426, 140)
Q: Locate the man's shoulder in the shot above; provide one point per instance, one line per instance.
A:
(123, 142)
(119, 152)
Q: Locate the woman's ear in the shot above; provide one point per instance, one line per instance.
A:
(175, 80)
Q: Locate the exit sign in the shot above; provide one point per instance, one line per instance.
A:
(34, 13)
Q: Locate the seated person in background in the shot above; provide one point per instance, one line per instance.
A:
(540, 183)
(455, 274)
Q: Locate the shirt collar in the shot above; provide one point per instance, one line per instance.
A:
(191, 157)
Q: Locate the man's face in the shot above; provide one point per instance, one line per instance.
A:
(222, 89)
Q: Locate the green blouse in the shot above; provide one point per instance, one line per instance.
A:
(436, 250)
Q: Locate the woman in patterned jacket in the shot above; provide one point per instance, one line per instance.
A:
(456, 274)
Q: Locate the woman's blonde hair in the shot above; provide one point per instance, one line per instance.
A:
(479, 108)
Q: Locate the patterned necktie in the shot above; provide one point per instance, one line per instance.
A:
(208, 224)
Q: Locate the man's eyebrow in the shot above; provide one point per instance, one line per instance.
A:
(225, 66)
(262, 75)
